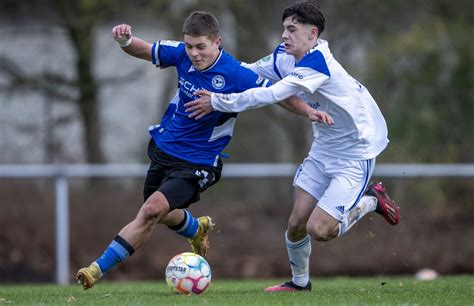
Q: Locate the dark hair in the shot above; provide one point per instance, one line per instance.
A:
(201, 24)
(306, 12)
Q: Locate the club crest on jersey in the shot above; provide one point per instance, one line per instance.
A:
(218, 82)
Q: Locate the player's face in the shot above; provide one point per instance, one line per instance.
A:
(201, 50)
(298, 38)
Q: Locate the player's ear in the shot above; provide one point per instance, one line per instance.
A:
(218, 42)
(313, 33)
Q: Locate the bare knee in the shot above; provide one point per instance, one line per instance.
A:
(321, 231)
(296, 229)
(154, 208)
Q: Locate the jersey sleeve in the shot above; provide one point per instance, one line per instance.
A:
(310, 72)
(273, 66)
(264, 68)
(246, 78)
(166, 52)
(254, 97)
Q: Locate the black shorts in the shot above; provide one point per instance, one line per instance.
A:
(180, 181)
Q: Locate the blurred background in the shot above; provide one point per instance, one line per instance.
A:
(70, 95)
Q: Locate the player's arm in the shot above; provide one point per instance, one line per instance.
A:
(299, 107)
(295, 105)
(130, 44)
(239, 102)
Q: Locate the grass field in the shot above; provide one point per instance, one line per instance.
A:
(449, 290)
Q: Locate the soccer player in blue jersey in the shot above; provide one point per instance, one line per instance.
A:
(184, 153)
(332, 184)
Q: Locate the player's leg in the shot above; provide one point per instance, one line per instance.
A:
(309, 184)
(343, 203)
(128, 240)
(192, 182)
(134, 234)
(298, 244)
(181, 192)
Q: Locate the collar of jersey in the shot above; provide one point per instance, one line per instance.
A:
(213, 64)
(319, 42)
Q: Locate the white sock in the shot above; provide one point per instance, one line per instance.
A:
(366, 204)
(298, 253)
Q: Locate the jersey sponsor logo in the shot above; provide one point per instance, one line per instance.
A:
(171, 43)
(187, 87)
(340, 208)
(296, 74)
(218, 82)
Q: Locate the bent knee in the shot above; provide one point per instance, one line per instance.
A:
(296, 229)
(153, 209)
(321, 232)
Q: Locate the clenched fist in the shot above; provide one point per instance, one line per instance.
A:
(122, 34)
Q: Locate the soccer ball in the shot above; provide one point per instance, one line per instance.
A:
(188, 273)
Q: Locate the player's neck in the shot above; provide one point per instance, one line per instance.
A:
(215, 57)
(305, 51)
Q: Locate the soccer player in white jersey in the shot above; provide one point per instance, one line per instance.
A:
(184, 153)
(332, 184)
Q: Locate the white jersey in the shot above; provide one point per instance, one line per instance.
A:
(359, 131)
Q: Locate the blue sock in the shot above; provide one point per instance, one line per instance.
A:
(117, 252)
(188, 227)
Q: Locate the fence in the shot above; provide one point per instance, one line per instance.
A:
(61, 174)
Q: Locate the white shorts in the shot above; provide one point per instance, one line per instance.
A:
(336, 183)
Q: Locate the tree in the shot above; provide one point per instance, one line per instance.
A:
(428, 72)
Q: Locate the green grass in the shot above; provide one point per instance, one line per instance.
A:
(448, 290)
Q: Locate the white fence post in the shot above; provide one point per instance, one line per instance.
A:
(62, 229)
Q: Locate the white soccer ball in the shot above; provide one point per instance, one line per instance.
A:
(188, 273)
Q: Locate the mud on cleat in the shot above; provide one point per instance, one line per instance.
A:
(89, 276)
(385, 206)
(288, 287)
(200, 242)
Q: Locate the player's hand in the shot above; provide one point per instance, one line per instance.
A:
(199, 107)
(319, 116)
(122, 33)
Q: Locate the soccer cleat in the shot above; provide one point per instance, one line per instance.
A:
(385, 206)
(89, 276)
(200, 242)
(288, 287)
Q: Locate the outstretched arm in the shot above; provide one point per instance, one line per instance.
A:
(239, 102)
(130, 44)
(203, 106)
(295, 105)
(299, 107)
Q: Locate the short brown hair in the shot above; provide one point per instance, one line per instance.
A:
(201, 24)
(306, 12)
